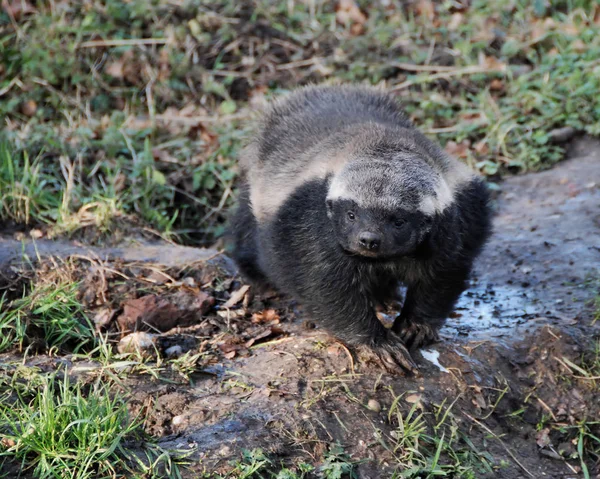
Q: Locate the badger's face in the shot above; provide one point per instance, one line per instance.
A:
(379, 210)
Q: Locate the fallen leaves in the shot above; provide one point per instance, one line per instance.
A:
(459, 150)
(237, 296)
(154, 313)
(348, 13)
(16, 9)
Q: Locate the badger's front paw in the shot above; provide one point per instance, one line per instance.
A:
(392, 355)
(415, 334)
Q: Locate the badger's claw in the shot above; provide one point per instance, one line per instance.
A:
(415, 334)
(393, 356)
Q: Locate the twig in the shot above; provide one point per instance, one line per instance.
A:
(411, 67)
(124, 42)
(489, 431)
(228, 73)
(13, 82)
(547, 408)
(472, 70)
(195, 120)
(299, 63)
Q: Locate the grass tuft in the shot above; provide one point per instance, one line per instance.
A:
(50, 313)
(59, 429)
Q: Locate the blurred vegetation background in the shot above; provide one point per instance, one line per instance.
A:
(121, 116)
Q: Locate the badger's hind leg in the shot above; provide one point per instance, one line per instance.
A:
(242, 241)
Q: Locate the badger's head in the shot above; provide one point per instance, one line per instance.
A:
(384, 209)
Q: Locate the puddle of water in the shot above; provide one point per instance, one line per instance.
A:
(485, 311)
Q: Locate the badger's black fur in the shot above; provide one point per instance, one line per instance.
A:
(342, 199)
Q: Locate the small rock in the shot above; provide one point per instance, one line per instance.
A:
(138, 342)
(560, 135)
(174, 351)
(413, 398)
(177, 420)
(225, 451)
(374, 405)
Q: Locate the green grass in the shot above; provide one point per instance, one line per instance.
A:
(147, 131)
(60, 429)
(27, 193)
(255, 464)
(431, 444)
(50, 317)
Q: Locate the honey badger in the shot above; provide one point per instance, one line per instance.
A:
(342, 199)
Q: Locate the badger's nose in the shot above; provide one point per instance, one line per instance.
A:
(369, 241)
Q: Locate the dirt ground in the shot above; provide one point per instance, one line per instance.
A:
(269, 382)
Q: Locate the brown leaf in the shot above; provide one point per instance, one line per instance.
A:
(479, 401)
(497, 84)
(17, 8)
(460, 150)
(164, 65)
(491, 63)
(103, 317)
(426, 8)
(150, 312)
(236, 296)
(481, 147)
(347, 12)
(7, 442)
(266, 333)
(114, 69)
(578, 46)
(266, 316)
(455, 21)
(543, 438)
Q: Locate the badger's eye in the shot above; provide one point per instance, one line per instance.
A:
(351, 216)
(399, 222)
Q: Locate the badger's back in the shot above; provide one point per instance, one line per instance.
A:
(312, 114)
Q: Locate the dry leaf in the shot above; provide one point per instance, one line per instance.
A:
(17, 8)
(266, 316)
(114, 69)
(426, 8)
(460, 150)
(236, 296)
(455, 21)
(543, 438)
(491, 63)
(182, 309)
(481, 147)
(139, 342)
(497, 84)
(578, 46)
(164, 65)
(103, 317)
(347, 12)
(265, 333)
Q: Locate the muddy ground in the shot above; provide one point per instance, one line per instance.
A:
(266, 381)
